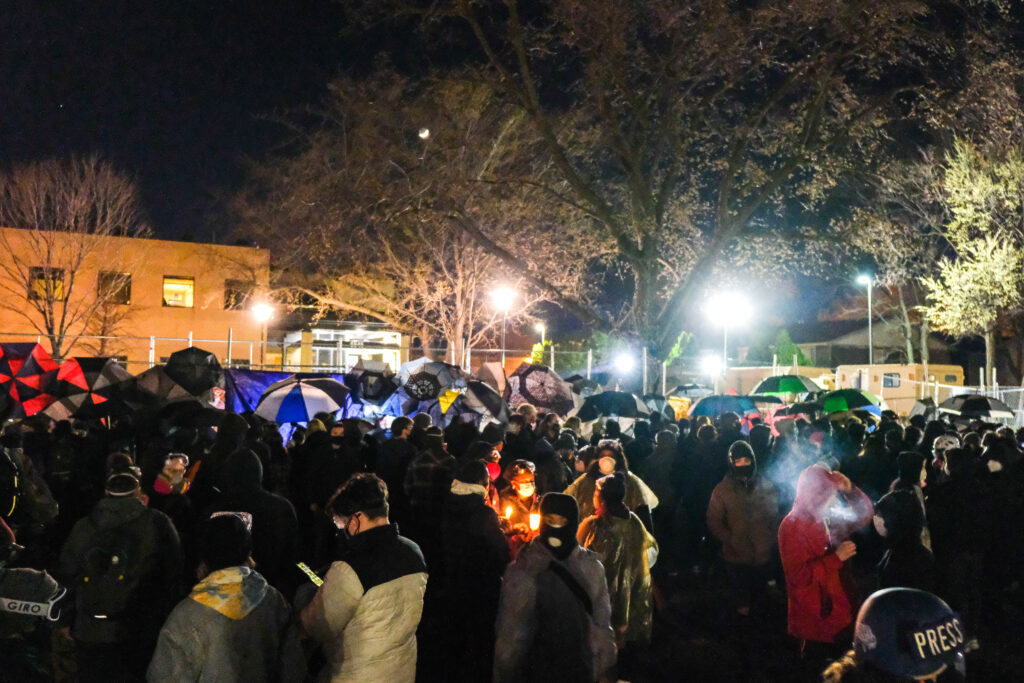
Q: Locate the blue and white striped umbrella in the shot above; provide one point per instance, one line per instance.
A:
(298, 400)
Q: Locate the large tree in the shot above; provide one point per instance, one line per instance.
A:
(60, 270)
(975, 292)
(368, 207)
(682, 130)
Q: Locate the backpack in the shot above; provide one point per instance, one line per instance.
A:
(113, 567)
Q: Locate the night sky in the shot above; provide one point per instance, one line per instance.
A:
(175, 93)
(178, 94)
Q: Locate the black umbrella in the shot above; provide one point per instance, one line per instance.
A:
(195, 369)
(976, 407)
(583, 386)
(479, 399)
(371, 381)
(539, 386)
(659, 404)
(612, 404)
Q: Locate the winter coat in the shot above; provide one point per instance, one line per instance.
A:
(233, 627)
(626, 549)
(907, 562)
(743, 516)
(821, 599)
(475, 556)
(638, 494)
(396, 454)
(366, 613)
(159, 557)
(545, 635)
(275, 529)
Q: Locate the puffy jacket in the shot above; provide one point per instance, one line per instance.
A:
(233, 627)
(366, 613)
(820, 596)
(539, 619)
(743, 516)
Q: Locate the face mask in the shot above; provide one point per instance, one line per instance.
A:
(879, 526)
(526, 490)
(338, 440)
(560, 540)
(744, 471)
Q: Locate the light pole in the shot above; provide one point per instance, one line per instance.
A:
(543, 330)
(263, 312)
(503, 298)
(868, 282)
(725, 309)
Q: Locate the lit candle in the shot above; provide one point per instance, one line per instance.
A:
(508, 512)
(534, 522)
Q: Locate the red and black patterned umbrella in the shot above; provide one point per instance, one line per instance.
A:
(87, 386)
(27, 375)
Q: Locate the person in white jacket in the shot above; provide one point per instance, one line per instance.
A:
(366, 612)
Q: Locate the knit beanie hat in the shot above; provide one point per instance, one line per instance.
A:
(433, 438)
(121, 485)
(224, 541)
(493, 434)
(908, 633)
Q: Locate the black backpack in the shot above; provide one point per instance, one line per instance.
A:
(113, 567)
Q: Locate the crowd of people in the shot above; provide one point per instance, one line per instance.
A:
(526, 551)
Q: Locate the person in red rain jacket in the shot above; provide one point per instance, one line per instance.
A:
(814, 545)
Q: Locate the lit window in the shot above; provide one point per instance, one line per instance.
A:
(114, 288)
(179, 291)
(237, 294)
(891, 380)
(46, 283)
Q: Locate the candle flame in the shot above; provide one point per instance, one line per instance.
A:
(534, 522)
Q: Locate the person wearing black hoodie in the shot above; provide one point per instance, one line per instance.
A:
(476, 555)
(959, 515)
(899, 520)
(275, 529)
(206, 481)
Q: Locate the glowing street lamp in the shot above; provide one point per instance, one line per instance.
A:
(868, 282)
(503, 297)
(424, 133)
(262, 312)
(540, 328)
(711, 366)
(728, 309)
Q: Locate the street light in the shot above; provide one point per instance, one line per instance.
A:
(727, 309)
(711, 366)
(503, 298)
(424, 133)
(540, 328)
(263, 312)
(868, 282)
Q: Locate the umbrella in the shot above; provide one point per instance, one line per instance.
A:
(425, 380)
(298, 400)
(539, 386)
(660, 404)
(923, 406)
(804, 408)
(583, 386)
(195, 369)
(153, 387)
(976, 406)
(27, 374)
(493, 374)
(89, 386)
(612, 404)
(691, 391)
(482, 400)
(786, 384)
(850, 399)
(371, 381)
(717, 404)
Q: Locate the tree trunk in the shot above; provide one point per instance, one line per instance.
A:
(990, 342)
(908, 329)
(925, 329)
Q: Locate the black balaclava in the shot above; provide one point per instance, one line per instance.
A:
(559, 520)
(737, 451)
